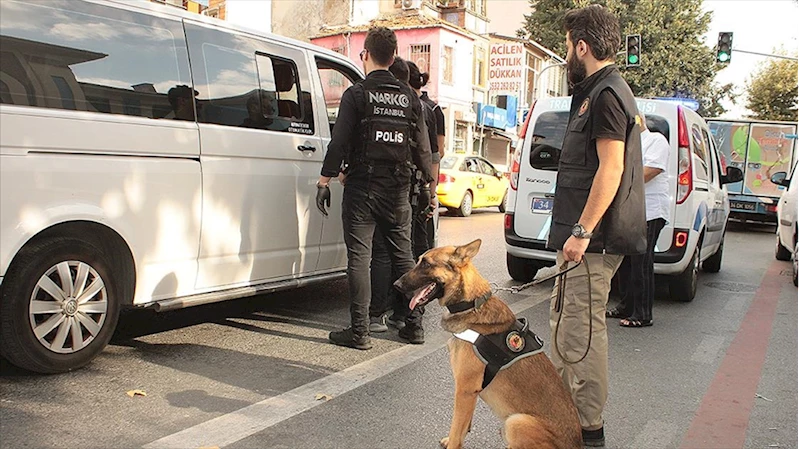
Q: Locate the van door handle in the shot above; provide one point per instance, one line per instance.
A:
(306, 148)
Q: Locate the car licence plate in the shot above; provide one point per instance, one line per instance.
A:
(740, 205)
(542, 205)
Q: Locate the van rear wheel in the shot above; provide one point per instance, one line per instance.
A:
(683, 286)
(520, 269)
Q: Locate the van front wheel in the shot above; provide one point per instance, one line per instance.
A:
(713, 263)
(683, 286)
(59, 305)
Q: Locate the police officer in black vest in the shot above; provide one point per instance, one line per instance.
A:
(599, 214)
(381, 134)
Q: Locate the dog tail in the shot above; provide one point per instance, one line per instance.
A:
(524, 431)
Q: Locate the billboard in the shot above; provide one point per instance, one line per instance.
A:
(759, 150)
(506, 67)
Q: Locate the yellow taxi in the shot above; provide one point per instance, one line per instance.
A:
(466, 182)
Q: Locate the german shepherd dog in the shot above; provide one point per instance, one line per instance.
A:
(528, 395)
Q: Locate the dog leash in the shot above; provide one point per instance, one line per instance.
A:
(559, 309)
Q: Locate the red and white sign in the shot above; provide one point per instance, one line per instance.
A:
(506, 67)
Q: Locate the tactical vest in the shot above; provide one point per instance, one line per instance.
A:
(388, 124)
(500, 351)
(622, 229)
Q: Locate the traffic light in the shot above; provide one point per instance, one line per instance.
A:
(724, 48)
(633, 50)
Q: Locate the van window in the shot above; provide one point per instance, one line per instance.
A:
(335, 80)
(550, 128)
(710, 151)
(701, 157)
(244, 82)
(87, 57)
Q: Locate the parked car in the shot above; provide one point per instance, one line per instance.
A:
(133, 176)
(469, 182)
(700, 207)
(787, 230)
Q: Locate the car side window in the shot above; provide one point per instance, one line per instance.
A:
(87, 57)
(701, 159)
(335, 80)
(713, 164)
(472, 166)
(248, 83)
(487, 168)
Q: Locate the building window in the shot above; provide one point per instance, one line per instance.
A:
(420, 55)
(448, 65)
(479, 77)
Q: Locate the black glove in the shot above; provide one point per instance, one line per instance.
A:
(423, 200)
(322, 198)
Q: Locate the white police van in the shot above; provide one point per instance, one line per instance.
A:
(134, 175)
(694, 236)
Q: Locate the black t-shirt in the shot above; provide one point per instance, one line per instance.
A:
(610, 121)
(437, 113)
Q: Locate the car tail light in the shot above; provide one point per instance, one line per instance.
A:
(517, 155)
(508, 221)
(771, 208)
(685, 175)
(442, 178)
(680, 238)
(516, 165)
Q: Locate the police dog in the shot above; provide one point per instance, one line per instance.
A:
(528, 396)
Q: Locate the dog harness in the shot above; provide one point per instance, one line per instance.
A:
(500, 351)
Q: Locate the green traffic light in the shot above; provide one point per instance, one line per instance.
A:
(723, 57)
(632, 59)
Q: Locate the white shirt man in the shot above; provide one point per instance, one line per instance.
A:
(637, 272)
(655, 149)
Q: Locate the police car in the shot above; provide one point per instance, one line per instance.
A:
(696, 176)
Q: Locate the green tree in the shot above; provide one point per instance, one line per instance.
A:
(772, 91)
(674, 60)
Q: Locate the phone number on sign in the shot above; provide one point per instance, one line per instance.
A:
(513, 86)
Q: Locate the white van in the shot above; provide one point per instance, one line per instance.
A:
(156, 158)
(696, 177)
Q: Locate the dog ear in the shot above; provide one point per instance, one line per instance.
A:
(467, 252)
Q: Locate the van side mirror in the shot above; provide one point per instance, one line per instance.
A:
(780, 178)
(544, 157)
(734, 174)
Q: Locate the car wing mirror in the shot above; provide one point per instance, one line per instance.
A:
(780, 178)
(544, 157)
(734, 174)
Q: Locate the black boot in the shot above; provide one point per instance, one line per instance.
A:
(413, 333)
(346, 337)
(594, 438)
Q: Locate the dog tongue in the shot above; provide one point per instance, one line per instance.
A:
(420, 295)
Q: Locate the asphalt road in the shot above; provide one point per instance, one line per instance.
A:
(259, 372)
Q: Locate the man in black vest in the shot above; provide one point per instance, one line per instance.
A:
(380, 133)
(599, 215)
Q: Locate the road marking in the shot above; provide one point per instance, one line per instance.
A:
(232, 427)
(707, 350)
(723, 415)
(656, 434)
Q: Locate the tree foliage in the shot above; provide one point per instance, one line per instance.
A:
(674, 60)
(772, 91)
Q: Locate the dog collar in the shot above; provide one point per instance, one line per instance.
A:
(464, 306)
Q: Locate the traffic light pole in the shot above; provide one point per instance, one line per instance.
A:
(770, 55)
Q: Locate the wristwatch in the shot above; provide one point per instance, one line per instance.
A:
(579, 231)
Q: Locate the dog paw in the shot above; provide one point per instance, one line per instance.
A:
(446, 445)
